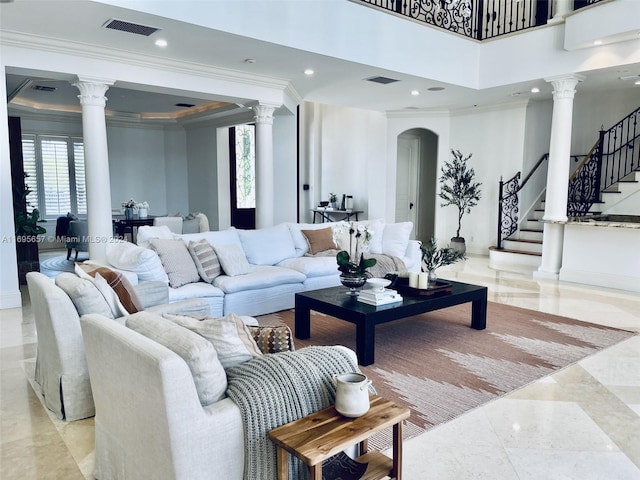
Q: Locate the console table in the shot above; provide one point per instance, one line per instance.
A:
(122, 225)
(335, 215)
(325, 433)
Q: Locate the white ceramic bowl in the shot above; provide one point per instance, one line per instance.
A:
(378, 284)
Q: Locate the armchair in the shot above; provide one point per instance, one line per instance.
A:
(77, 234)
(61, 366)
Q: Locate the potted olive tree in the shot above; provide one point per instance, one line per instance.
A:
(457, 187)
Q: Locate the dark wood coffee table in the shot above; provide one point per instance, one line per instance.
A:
(334, 301)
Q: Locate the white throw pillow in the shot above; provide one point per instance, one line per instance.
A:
(177, 261)
(395, 238)
(267, 246)
(146, 233)
(209, 376)
(232, 259)
(133, 258)
(84, 294)
(229, 335)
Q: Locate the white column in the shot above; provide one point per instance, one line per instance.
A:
(265, 197)
(555, 211)
(96, 159)
(560, 10)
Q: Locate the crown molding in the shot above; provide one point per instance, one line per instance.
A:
(418, 113)
(47, 44)
(491, 108)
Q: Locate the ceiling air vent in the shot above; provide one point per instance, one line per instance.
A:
(128, 27)
(185, 105)
(382, 80)
(43, 88)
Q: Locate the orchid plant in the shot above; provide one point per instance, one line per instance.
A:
(352, 262)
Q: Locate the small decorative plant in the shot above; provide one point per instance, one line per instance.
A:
(333, 198)
(458, 186)
(434, 257)
(129, 203)
(353, 262)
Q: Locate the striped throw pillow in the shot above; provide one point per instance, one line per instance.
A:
(206, 260)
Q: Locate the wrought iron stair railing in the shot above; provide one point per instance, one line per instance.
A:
(508, 202)
(478, 19)
(615, 156)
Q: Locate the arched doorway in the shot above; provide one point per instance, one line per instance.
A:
(416, 180)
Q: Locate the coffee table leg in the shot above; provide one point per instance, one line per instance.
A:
(316, 471)
(365, 342)
(397, 451)
(479, 312)
(302, 320)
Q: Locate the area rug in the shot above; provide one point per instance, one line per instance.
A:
(439, 367)
(58, 264)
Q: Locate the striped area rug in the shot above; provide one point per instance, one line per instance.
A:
(439, 367)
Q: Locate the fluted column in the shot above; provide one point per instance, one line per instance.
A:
(265, 197)
(96, 159)
(555, 211)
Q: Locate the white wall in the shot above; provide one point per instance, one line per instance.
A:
(352, 157)
(285, 168)
(495, 136)
(137, 166)
(177, 182)
(203, 172)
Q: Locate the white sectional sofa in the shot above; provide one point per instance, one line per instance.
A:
(279, 264)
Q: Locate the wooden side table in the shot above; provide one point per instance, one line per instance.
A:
(325, 433)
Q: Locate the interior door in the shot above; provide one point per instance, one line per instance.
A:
(407, 180)
(242, 176)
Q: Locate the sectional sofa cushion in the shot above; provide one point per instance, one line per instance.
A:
(395, 238)
(232, 259)
(229, 335)
(221, 237)
(205, 259)
(267, 246)
(319, 240)
(84, 294)
(147, 232)
(318, 266)
(143, 261)
(261, 276)
(176, 260)
(200, 355)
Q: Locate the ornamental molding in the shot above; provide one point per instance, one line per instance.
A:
(565, 86)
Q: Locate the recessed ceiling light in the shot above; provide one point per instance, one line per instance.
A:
(309, 71)
(415, 93)
(597, 42)
(637, 82)
(161, 42)
(435, 89)
(535, 90)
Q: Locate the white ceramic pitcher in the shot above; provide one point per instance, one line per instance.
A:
(352, 394)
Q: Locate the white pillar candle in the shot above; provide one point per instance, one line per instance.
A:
(423, 280)
(413, 279)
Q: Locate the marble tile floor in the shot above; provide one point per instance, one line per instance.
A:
(582, 422)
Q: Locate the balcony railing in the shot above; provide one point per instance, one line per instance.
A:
(478, 19)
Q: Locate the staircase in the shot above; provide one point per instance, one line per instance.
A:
(606, 182)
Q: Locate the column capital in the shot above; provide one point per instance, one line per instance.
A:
(92, 90)
(264, 113)
(564, 86)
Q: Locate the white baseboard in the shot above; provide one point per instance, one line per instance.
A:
(10, 300)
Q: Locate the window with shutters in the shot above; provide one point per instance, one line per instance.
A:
(56, 176)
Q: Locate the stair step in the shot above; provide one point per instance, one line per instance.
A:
(523, 246)
(507, 250)
(531, 230)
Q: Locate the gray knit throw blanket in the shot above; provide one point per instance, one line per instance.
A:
(276, 389)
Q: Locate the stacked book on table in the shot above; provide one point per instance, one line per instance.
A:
(379, 297)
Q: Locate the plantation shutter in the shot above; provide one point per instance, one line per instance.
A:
(79, 177)
(55, 175)
(30, 169)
